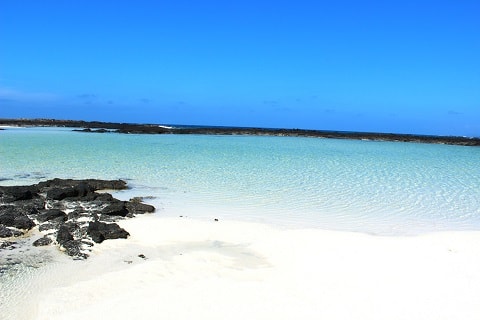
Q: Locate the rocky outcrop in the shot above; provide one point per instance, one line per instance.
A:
(70, 214)
(53, 214)
(92, 184)
(8, 233)
(14, 217)
(115, 208)
(100, 231)
(44, 241)
(16, 193)
(132, 128)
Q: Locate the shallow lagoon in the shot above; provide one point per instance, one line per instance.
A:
(300, 186)
(387, 188)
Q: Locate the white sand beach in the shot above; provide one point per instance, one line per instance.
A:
(198, 269)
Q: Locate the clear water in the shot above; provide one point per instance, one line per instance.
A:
(387, 188)
(374, 187)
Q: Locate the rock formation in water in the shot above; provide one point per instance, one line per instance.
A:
(68, 213)
(133, 128)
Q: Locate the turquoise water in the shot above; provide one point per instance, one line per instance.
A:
(387, 188)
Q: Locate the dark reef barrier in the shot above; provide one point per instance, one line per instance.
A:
(131, 128)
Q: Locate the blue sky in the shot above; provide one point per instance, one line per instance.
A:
(390, 66)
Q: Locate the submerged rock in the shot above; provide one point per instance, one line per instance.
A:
(8, 245)
(44, 241)
(8, 233)
(68, 212)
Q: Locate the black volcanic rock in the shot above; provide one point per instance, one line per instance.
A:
(74, 249)
(23, 222)
(9, 217)
(100, 231)
(64, 235)
(81, 191)
(47, 203)
(94, 131)
(48, 226)
(15, 193)
(92, 184)
(103, 197)
(9, 245)
(116, 208)
(53, 214)
(44, 241)
(5, 232)
(156, 129)
(138, 207)
(8, 233)
(61, 193)
(29, 207)
(75, 229)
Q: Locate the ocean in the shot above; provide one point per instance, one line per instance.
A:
(379, 188)
(384, 188)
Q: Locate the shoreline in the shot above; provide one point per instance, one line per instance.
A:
(189, 268)
(132, 128)
(184, 268)
(237, 270)
(63, 213)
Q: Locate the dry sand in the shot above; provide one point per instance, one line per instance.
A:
(198, 269)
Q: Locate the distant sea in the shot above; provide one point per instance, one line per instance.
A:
(384, 188)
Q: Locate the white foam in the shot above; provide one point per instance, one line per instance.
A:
(237, 270)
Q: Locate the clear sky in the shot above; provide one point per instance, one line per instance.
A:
(391, 66)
